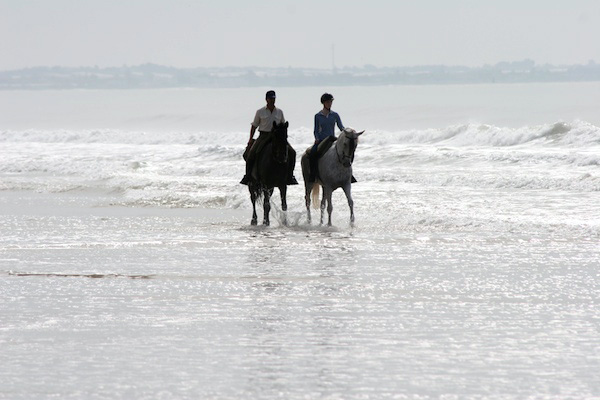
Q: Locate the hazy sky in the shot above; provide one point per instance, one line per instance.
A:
(297, 33)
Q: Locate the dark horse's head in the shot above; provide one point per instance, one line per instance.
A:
(279, 140)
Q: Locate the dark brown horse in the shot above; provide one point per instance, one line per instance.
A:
(272, 166)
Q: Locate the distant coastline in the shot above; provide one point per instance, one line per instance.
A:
(158, 76)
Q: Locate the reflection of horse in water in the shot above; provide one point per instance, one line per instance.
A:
(335, 171)
(272, 166)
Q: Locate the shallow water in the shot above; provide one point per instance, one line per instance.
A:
(128, 268)
(107, 304)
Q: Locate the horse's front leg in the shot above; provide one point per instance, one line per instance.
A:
(348, 191)
(253, 199)
(267, 206)
(283, 194)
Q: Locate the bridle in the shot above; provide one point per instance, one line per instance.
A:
(346, 157)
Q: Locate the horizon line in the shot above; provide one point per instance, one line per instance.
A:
(526, 60)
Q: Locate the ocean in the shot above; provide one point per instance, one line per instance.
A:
(129, 269)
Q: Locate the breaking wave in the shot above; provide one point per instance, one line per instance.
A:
(571, 134)
(574, 134)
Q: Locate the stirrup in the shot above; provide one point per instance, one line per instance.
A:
(292, 180)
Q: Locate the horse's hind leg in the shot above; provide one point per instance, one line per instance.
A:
(323, 204)
(326, 202)
(307, 192)
(308, 186)
(348, 191)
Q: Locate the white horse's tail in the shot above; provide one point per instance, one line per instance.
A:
(316, 203)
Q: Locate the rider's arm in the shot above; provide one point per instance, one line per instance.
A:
(252, 130)
(338, 120)
(254, 125)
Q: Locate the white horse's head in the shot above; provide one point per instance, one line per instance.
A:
(347, 143)
(351, 133)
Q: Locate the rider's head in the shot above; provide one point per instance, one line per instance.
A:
(326, 100)
(270, 97)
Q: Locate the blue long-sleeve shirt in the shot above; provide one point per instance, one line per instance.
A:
(325, 125)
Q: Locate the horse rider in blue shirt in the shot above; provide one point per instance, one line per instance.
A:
(325, 121)
(263, 121)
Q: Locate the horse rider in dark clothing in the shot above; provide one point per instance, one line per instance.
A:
(263, 121)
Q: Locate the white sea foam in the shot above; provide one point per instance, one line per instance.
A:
(173, 168)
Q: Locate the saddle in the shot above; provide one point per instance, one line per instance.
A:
(321, 150)
(323, 146)
(257, 152)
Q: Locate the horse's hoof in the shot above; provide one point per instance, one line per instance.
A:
(266, 223)
(253, 222)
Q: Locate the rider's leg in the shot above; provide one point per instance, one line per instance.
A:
(313, 163)
(292, 162)
(249, 164)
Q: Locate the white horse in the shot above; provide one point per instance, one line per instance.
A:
(335, 171)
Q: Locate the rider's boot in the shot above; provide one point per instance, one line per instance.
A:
(246, 179)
